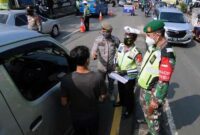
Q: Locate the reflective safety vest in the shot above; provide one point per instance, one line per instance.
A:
(150, 67)
(86, 11)
(126, 60)
(4, 4)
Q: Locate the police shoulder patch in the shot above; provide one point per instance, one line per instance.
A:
(133, 53)
(120, 48)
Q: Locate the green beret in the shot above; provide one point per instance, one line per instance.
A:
(153, 26)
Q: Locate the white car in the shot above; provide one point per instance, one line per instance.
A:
(177, 27)
(19, 18)
(31, 66)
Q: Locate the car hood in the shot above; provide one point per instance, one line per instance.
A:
(178, 26)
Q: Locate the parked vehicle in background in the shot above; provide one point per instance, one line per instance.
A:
(30, 64)
(95, 7)
(19, 18)
(196, 3)
(122, 3)
(177, 27)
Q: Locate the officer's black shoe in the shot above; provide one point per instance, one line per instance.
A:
(125, 115)
(117, 104)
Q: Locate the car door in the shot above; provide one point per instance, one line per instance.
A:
(7, 118)
(30, 85)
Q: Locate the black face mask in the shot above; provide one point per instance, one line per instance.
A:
(128, 41)
(106, 35)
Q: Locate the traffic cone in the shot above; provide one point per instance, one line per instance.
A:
(82, 27)
(100, 16)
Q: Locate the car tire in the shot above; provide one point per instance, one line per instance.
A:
(55, 31)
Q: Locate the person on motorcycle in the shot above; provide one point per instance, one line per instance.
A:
(34, 21)
(148, 8)
(197, 28)
(41, 9)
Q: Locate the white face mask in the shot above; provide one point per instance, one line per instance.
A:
(150, 41)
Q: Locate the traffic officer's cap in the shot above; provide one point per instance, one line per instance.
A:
(84, 2)
(154, 26)
(130, 30)
(106, 26)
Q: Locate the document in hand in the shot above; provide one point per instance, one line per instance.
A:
(118, 77)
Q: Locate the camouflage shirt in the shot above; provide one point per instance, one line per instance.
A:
(105, 50)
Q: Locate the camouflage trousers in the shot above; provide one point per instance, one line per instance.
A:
(153, 120)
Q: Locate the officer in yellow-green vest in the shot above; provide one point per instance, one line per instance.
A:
(155, 74)
(86, 15)
(128, 59)
(4, 4)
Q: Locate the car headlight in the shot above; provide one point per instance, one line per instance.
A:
(189, 31)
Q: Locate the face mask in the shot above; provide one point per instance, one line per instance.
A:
(128, 41)
(106, 34)
(150, 41)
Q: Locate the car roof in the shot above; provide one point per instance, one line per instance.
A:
(169, 10)
(11, 34)
(12, 11)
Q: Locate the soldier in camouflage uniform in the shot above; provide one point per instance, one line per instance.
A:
(156, 70)
(104, 49)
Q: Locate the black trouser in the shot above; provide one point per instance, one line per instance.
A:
(87, 126)
(87, 23)
(126, 94)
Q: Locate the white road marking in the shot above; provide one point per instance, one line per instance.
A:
(170, 119)
(71, 34)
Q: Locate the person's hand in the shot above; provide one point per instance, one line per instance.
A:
(122, 72)
(94, 56)
(154, 104)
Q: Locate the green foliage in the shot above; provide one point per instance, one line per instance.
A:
(183, 7)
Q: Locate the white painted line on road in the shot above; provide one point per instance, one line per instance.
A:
(71, 34)
(170, 119)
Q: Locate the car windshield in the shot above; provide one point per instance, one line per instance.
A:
(3, 18)
(172, 17)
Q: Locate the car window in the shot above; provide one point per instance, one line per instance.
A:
(3, 18)
(35, 70)
(172, 17)
(21, 20)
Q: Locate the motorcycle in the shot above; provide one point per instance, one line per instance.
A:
(147, 9)
(196, 30)
(41, 9)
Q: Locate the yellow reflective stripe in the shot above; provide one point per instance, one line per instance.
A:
(149, 70)
(3, 5)
(123, 60)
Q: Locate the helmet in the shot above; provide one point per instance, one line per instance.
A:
(85, 2)
(30, 10)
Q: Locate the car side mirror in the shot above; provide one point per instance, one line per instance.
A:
(61, 75)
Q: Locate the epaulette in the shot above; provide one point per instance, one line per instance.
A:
(120, 48)
(168, 52)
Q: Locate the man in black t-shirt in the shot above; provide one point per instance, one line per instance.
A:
(82, 90)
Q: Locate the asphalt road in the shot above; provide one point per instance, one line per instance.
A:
(184, 92)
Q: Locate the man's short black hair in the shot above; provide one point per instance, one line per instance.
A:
(162, 31)
(80, 54)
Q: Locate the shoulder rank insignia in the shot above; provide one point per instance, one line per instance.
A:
(120, 48)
